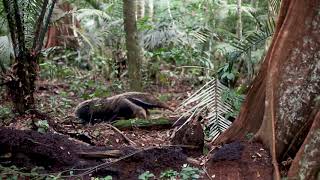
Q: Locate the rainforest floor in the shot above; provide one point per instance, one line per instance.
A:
(150, 151)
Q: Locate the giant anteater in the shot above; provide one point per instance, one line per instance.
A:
(127, 105)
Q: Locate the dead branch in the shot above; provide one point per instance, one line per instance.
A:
(123, 135)
(206, 172)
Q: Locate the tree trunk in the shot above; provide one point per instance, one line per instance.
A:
(134, 51)
(140, 8)
(281, 105)
(22, 84)
(239, 20)
(149, 9)
(307, 161)
(169, 9)
(63, 33)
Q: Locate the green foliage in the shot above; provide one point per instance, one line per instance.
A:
(42, 125)
(169, 174)
(191, 34)
(164, 97)
(14, 173)
(235, 99)
(227, 73)
(249, 136)
(254, 39)
(187, 173)
(146, 176)
(58, 104)
(89, 88)
(51, 70)
(5, 112)
(102, 178)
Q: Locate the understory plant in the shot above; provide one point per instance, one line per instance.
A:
(187, 173)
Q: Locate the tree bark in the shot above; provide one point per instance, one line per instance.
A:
(134, 51)
(289, 81)
(63, 32)
(307, 161)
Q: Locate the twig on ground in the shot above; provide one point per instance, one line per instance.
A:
(123, 135)
(205, 171)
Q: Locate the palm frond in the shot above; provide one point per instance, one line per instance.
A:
(254, 39)
(94, 3)
(162, 35)
(28, 22)
(87, 13)
(275, 6)
(5, 51)
(201, 34)
(31, 11)
(94, 40)
(208, 101)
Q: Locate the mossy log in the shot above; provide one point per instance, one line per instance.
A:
(159, 123)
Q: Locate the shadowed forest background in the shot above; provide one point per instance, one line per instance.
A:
(171, 89)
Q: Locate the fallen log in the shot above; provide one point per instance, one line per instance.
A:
(52, 151)
(159, 123)
(60, 156)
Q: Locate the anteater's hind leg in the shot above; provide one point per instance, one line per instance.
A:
(128, 109)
